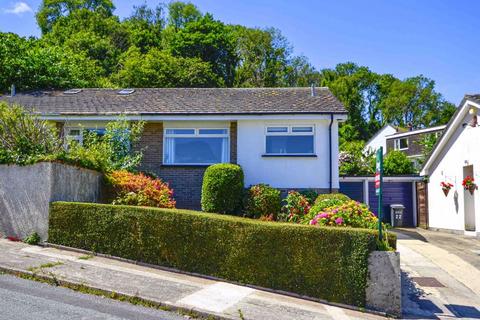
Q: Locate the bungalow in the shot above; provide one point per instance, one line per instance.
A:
(285, 137)
(456, 157)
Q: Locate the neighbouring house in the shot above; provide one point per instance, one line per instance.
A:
(285, 137)
(379, 139)
(410, 142)
(455, 157)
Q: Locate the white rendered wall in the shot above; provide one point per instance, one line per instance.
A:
(380, 140)
(463, 149)
(287, 172)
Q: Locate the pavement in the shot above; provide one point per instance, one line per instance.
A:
(178, 291)
(30, 300)
(439, 280)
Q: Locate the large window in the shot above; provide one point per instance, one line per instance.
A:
(196, 146)
(289, 140)
(400, 144)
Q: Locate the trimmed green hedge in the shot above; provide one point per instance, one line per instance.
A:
(222, 188)
(326, 263)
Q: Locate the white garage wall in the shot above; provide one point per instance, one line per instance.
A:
(462, 149)
(286, 172)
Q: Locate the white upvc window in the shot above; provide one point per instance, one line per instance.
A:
(290, 140)
(196, 146)
(77, 134)
(400, 144)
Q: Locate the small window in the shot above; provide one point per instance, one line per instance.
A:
(290, 140)
(400, 144)
(196, 146)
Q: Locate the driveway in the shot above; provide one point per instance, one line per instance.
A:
(440, 275)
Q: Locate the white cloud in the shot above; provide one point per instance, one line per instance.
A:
(19, 8)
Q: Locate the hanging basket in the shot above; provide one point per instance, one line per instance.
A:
(472, 189)
(446, 191)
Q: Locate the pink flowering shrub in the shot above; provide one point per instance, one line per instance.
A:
(349, 214)
(296, 206)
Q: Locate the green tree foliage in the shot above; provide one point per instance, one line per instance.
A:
(181, 13)
(354, 161)
(211, 41)
(161, 69)
(145, 27)
(396, 162)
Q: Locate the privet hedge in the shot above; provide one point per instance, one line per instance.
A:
(326, 263)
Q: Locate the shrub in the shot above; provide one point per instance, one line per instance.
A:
(263, 201)
(296, 207)
(32, 239)
(112, 151)
(397, 162)
(330, 196)
(24, 138)
(140, 190)
(326, 263)
(310, 194)
(351, 214)
(222, 189)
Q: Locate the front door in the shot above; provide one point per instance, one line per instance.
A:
(469, 202)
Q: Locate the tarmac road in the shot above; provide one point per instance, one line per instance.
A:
(30, 300)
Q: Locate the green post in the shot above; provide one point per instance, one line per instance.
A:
(379, 189)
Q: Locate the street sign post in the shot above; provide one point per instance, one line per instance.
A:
(379, 189)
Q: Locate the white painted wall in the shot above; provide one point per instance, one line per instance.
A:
(462, 149)
(379, 140)
(286, 172)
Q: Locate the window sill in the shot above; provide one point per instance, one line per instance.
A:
(289, 156)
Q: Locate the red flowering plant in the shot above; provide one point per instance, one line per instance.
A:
(296, 206)
(138, 189)
(446, 186)
(349, 214)
(469, 183)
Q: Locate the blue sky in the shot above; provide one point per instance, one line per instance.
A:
(436, 38)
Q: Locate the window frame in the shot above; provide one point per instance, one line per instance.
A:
(79, 137)
(396, 144)
(289, 132)
(196, 134)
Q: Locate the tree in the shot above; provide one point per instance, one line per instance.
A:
(145, 27)
(52, 10)
(181, 13)
(211, 41)
(160, 69)
(354, 161)
(396, 162)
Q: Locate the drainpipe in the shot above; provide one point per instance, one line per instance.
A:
(330, 152)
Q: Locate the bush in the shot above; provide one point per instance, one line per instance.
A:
(32, 239)
(263, 201)
(351, 214)
(310, 194)
(112, 151)
(332, 196)
(296, 207)
(222, 189)
(24, 138)
(140, 190)
(397, 162)
(325, 263)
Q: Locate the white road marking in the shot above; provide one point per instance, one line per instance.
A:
(217, 297)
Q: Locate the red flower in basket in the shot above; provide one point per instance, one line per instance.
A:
(469, 184)
(446, 186)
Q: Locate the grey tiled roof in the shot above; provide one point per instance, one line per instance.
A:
(171, 101)
(473, 97)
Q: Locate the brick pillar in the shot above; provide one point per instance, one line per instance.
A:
(151, 144)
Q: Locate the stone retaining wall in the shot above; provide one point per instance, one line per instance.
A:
(26, 192)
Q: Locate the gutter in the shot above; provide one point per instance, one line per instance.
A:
(330, 152)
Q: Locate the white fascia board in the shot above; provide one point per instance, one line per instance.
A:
(447, 134)
(414, 132)
(213, 117)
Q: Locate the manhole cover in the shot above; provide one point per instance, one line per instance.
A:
(427, 282)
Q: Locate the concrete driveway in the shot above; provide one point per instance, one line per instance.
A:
(440, 275)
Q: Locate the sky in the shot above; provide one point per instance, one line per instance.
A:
(435, 38)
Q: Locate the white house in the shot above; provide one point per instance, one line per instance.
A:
(456, 156)
(284, 137)
(379, 139)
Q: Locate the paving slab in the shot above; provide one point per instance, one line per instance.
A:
(178, 290)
